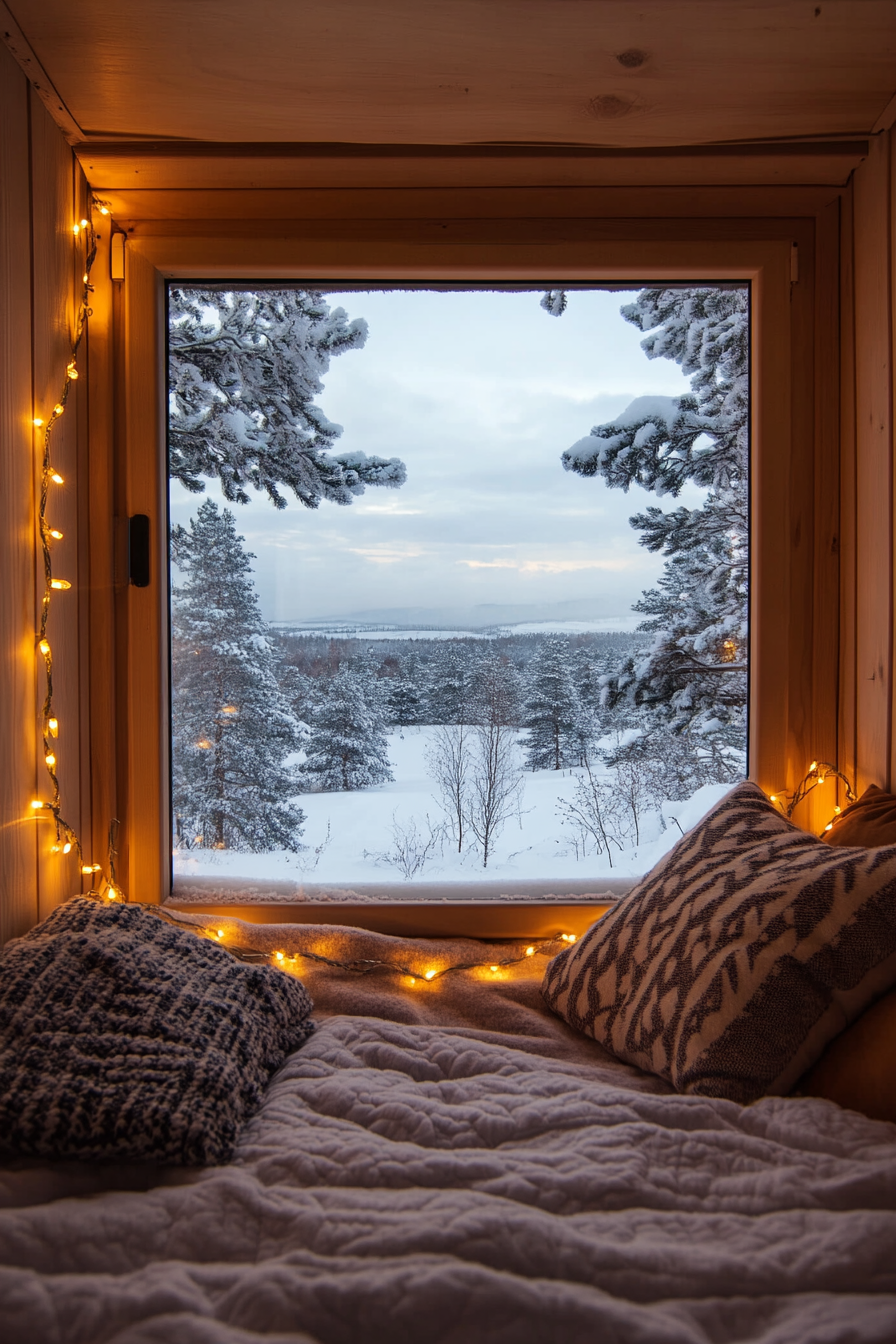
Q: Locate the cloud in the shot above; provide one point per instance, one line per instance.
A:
(547, 566)
(387, 555)
(393, 508)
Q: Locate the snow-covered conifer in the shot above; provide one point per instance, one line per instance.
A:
(348, 748)
(695, 672)
(552, 713)
(244, 369)
(232, 726)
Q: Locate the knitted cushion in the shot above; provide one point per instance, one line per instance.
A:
(871, 821)
(729, 968)
(124, 1037)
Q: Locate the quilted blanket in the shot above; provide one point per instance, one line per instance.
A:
(463, 1169)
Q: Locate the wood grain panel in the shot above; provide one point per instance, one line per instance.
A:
(119, 167)
(146, 810)
(874, 475)
(801, 538)
(58, 262)
(655, 202)
(848, 518)
(824, 743)
(97, 477)
(606, 72)
(18, 831)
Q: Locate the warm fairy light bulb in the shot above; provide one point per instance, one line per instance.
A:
(55, 534)
(90, 867)
(279, 956)
(50, 760)
(76, 229)
(229, 709)
(85, 277)
(83, 223)
(530, 951)
(813, 766)
(36, 804)
(71, 371)
(203, 744)
(220, 933)
(61, 584)
(773, 797)
(44, 647)
(66, 848)
(54, 476)
(54, 849)
(430, 975)
(103, 210)
(37, 422)
(836, 811)
(493, 968)
(58, 409)
(830, 826)
(53, 725)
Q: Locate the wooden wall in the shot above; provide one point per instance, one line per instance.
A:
(868, 301)
(42, 191)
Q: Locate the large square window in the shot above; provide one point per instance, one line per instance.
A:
(459, 585)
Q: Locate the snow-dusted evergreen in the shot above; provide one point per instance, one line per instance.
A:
(553, 714)
(695, 672)
(232, 727)
(348, 748)
(244, 370)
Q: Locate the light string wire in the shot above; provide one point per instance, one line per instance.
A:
(818, 772)
(67, 838)
(364, 965)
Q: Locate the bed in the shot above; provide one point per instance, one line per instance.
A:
(446, 1159)
(451, 1161)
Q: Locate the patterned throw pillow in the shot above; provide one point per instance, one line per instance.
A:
(123, 1037)
(729, 968)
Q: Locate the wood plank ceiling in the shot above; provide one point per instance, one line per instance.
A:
(163, 96)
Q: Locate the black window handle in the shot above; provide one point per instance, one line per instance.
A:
(138, 550)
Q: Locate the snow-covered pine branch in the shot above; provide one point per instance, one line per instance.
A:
(244, 369)
(693, 675)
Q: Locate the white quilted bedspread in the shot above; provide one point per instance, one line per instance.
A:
(411, 1183)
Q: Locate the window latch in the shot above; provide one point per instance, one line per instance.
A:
(138, 550)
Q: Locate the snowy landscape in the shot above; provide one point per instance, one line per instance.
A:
(502, 676)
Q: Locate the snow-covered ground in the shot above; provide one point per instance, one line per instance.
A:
(534, 844)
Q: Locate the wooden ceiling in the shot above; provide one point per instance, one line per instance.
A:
(163, 95)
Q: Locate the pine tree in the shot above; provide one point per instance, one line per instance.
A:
(694, 675)
(449, 688)
(552, 714)
(244, 369)
(348, 748)
(232, 727)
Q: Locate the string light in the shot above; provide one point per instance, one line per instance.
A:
(819, 772)
(364, 965)
(66, 838)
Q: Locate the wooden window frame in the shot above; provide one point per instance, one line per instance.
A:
(795, 497)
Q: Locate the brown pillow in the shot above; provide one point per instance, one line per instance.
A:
(858, 1069)
(871, 822)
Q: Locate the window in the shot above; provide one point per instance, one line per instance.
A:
(793, 669)
(487, 677)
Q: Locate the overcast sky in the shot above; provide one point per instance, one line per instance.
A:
(478, 394)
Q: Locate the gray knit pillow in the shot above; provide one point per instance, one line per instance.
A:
(730, 967)
(123, 1037)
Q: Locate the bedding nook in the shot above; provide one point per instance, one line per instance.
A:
(660, 1113)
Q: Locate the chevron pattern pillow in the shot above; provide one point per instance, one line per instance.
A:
(730, 967)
